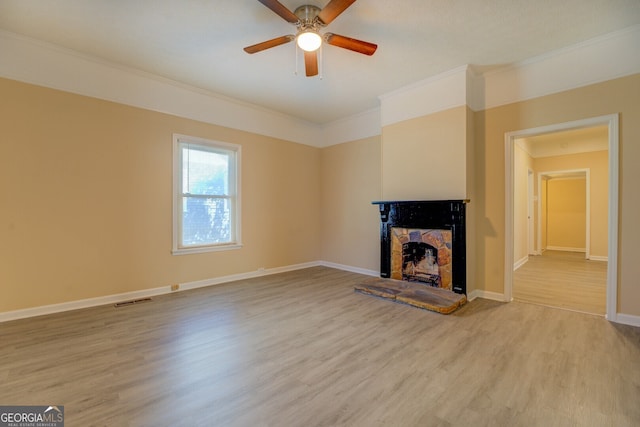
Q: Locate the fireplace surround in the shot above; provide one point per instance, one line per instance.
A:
(427, 239)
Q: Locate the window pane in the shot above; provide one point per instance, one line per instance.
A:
(204, 172)
(205, 221)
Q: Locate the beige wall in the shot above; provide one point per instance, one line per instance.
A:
(598, 164)
(425, 158)
(86, 199)
(567, 213)
(86, 188)
(614, 96)
(350, 223)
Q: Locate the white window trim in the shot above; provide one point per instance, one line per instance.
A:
(176, 196)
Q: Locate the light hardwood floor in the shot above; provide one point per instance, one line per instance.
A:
(563, 279)
(303, 349)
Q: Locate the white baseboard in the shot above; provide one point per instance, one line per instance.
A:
(520, 262)
(479, 293)
(145, 293)
(565, 249)
(83, 303)
(598, 258)
(350, 268)
(627, 319)
(243, 276)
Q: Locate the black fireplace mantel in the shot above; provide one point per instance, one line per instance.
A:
(426, 214)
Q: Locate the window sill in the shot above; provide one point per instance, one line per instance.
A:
(203, 249)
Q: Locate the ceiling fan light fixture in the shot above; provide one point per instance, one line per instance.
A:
(309, 40)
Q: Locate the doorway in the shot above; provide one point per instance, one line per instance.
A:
(561, 274)
(564, 212)
(512, 141)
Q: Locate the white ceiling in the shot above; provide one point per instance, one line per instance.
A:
(199, 42)
(561, 143)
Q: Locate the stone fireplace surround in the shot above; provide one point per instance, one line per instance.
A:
(426, 215)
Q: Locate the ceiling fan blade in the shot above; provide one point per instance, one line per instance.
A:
(280, 10)
(311, 63)
(355, 45)
(268, 44)
(333, 9)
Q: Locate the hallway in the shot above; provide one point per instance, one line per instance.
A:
(564, 280)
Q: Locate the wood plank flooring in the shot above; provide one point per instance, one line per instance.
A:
(564, 280)
(303, 349)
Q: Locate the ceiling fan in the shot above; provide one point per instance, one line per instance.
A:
(309, 20)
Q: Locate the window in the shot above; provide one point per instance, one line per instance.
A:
(206, 204)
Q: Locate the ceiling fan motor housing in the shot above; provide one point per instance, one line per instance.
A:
(308, 37)
(307, 12)
(307, 16)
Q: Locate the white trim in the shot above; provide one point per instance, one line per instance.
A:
(145, 293)
(83, 303)
(522, 261)
(566, 249)
(627, 319)
(603, 58)
(234, 194)
(205, 249)
(612, 267)
(352, 128)
(598, 258)
(46, 64)
(438, 93)
(358, 270)
(243, 276)
(493, 296)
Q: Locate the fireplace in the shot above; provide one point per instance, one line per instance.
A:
(424, 241)
(422, 255)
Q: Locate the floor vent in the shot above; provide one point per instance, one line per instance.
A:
(131, 302)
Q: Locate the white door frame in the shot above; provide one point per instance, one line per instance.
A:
(611, 121)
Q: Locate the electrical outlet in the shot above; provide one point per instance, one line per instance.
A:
(175, 287)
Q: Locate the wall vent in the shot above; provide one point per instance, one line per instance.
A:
(131, 302)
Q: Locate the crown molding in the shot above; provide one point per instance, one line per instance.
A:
(603, 58)
(352, 128)
(600, 59)
(438, 93)
(44, 64)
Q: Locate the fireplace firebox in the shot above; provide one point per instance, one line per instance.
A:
(419, 263)
(424, 241)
